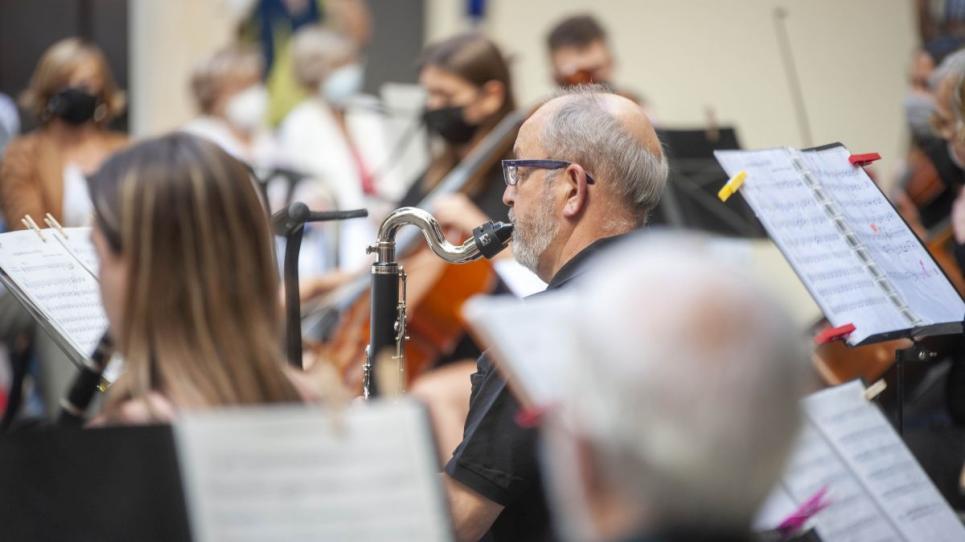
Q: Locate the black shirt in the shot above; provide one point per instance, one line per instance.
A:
(497, 458)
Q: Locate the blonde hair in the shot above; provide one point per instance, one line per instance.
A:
(201, 311)
(53, 73)
(209, 76)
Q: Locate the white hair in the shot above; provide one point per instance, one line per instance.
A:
(581, 130)
(688, 391)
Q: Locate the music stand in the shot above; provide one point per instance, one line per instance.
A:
(690, 199)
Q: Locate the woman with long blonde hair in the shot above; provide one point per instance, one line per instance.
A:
(188, 281)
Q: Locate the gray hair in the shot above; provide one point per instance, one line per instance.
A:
(581, 130)
(688, 394)
(315, 51)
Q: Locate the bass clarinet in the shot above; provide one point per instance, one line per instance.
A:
(73, 406)
(388, 318)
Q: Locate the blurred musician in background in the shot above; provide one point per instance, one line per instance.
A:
(580, 54)
(588, 169)
(233, 106)
(334, 136)
(468, 92)
(188, 281)
(663, 433)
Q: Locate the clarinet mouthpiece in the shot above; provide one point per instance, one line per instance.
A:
(492, 237)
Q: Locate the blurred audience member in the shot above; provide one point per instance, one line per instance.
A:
(233, 103)
(667, 435)
(9, 121)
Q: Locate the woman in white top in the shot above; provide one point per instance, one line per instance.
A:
(336, 135)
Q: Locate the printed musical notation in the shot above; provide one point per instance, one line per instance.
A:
(875, 490)
(58, 286)
(849, 246)
(290, 473)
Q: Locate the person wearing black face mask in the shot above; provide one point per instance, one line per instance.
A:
(450, 124)
(468, 91)
(76, 106)
(73, 96)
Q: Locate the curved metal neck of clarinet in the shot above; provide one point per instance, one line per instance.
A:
(388, 316)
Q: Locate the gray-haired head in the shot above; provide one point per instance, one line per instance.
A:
(592, 127)
(952, 66)
(682, 394)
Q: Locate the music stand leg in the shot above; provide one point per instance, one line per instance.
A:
(914, 353)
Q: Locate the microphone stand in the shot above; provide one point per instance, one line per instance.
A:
(290, 223)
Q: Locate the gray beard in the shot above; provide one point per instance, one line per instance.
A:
(532, 238)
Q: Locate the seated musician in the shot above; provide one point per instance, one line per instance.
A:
(590, 169)
(679, 426)
(188, 281)
(468, 92)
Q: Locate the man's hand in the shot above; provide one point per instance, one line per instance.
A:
(472, 514)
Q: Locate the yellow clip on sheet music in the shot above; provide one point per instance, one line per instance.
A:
(732, 186)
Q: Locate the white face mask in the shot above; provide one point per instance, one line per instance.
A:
(246, 110)
(342, 84)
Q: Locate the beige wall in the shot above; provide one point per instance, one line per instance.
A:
(167, 38)
(685, 55)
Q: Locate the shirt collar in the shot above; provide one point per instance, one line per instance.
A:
(576, 265)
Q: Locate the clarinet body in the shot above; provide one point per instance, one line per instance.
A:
(73, 407)
(388, 317)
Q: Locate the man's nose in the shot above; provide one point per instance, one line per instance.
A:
(509, 195)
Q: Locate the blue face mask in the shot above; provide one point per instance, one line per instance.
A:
(343, 83)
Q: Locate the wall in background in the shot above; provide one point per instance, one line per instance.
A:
(684, 56)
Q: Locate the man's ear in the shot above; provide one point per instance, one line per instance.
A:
(577, 196)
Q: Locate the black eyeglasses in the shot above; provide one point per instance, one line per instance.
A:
(511, 168)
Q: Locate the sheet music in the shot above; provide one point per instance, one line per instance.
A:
(873, 450)
(80, 245)
(56, 284)
(852, 513)
(821, 256)
(515, 334)
(876, 489)
(290, 473)
(521, 281)
(895, 249)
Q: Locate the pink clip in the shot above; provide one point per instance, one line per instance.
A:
(530, 417)
(833, 334)
(806, 511)
(863, 159)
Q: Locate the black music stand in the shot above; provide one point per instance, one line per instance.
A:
(119, 483)
(290, 223)
(690, 199)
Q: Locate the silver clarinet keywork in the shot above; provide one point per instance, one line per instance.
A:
(388, 324)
